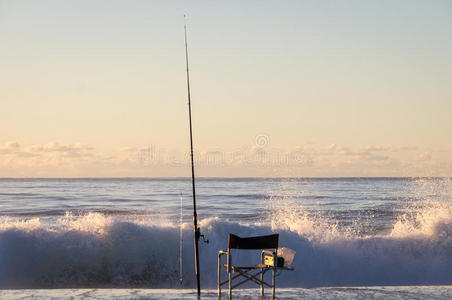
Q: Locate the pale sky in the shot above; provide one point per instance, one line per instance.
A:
(279, 88)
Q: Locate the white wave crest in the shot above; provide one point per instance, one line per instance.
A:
(95, 250)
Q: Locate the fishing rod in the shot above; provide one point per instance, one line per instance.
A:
(181, 274)
(196, 231)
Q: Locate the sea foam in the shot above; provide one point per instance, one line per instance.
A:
(97, 250)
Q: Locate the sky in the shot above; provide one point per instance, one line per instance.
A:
(279, 88)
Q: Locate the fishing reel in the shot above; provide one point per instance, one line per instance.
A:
(199, 235)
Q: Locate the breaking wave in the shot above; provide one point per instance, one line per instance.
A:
(98, 250)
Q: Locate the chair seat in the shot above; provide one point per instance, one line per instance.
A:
(258, 266)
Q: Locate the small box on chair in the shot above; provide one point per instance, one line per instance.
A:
(279, 261)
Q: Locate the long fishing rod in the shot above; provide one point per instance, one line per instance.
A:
(195, 217)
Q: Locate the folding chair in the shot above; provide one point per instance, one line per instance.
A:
(234, 272)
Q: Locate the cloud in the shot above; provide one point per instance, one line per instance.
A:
(378, 157)
(56, 147)
(26, 154)
(129, 149)
(372, 149)
(55, 159)
(426, 156)
(336, 149)
(376, 149)
(403, 148)
(76, 150)
(9, 147)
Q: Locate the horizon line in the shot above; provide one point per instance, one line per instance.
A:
(241, 177)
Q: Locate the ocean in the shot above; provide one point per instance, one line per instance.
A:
(131, 236)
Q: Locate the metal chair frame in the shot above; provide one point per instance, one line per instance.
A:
(234, 272)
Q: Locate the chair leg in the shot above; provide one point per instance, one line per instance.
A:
(219, 275)
(274, 281)
(230, 273)
(262, 275)
(230, 286)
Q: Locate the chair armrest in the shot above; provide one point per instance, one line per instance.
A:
(220, 254)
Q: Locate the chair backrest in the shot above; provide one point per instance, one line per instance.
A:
(255, 242)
